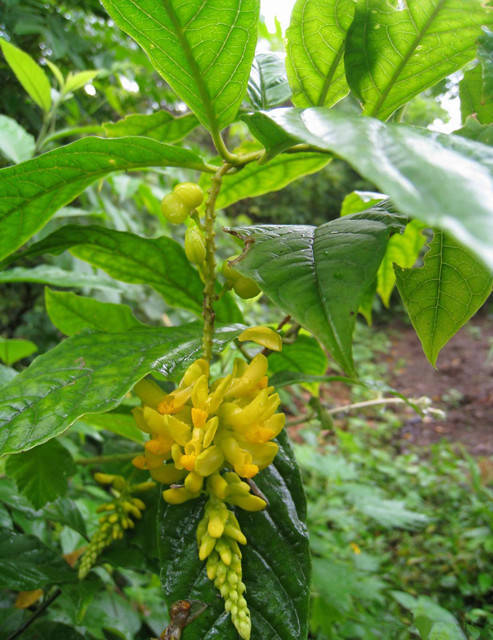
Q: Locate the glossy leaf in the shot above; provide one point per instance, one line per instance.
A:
(276, 566)
(45, 274)
(256, 179)
(90, 373)
(268, 85)
(472, 97)
(16, 143)
(14, 349)
(31, 192)
(316, 42)
(445, 181)
(41, 474)
(203, 50)
(319, 275)
(160, 126)
(72, 314)
(29, 73)
(444, 293)
(395, 51)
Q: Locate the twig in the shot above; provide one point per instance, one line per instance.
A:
(35, 615)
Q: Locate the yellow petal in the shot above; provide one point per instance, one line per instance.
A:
(177, 495)
(249, 503)
(264, 336)
(194, 482)
(159, 446)
(217, 485)
(178, 430)
(199, 418)
(262, 454)
(138, 414)
(149, 392)
(209, 461)
(167, 474)
(200, 392)
(198, 368)
(210, 431)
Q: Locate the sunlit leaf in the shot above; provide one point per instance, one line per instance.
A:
(15, 143)
(29, 73)
(14, 349)
(161, 126)
(268, 85)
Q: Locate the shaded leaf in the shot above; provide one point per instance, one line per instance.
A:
(304, 355)
(66, 512)
(268, 85)
(14, 349)
(476, 131)
(16, 143)
(285, 378)
(49, 630)
(161, 126)
(472, 98)
(444, 293)
(29, 73)
(121, 423)
(45, 274)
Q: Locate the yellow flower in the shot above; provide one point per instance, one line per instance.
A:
(355, 548)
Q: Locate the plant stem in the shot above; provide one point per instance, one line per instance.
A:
(35, 615)
(102, 459)
(366, 403)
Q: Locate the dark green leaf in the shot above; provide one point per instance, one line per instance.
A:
(444, 293)
(392, 53)
(41, 474)
(319, 275)
(445, 181)
(48, 630)
(90, 373)
(203, 50)
(29, 73)
(268, 85)
(316, 42)
(276, 566)
(115, 613)
(15, 143)
(304, 355)
(26, 563)
(161, 126)
(45, 274)
(285, 378)
(14, 349)
(31, 192)
(66, 512)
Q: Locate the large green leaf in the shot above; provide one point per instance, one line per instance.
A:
(41, 474)
(444, 293)
(316, 43)
(31, 192)
(276, 565)
(256, 179)
(14, 349)
(304, 355)
(204, 50)
(46, 274)
(396, 50)
(485, 54)
(319, 275)
(29, 73)
(161, 126)
(90, 373)
(268, 85)
(159, 262)
(472, 98)
(445, 181)
(16, 143)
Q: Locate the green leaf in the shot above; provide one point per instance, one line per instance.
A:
(56, 72)
(256, 179)
(316, 42)
(159, 262)
(26, 563)
(203, 50)
(45, 274)
(41, 474)
(472, 98)
(76, 81)
(91, 373)
(15, 143)
(402, 250)
(444, 293)
(286, 378)
(6, 374)
(49, 630)
(319, 275)
(366, 305)
(476, 131)
(445, 181)
(357, 201)
(485, 54)
(161, 126)
(276, 565)
(66, 512)
(31, 192)
(122, 424)
(71, 314)
(304, 355)
(268, 85)
(14, 349)
(29, 73)
(395, 52)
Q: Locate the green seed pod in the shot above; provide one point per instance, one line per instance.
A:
(195, 246)
(190, 194)
(174, 209)
(246, 287)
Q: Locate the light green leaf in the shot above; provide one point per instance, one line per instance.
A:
(268, 85)
(485, 54)
(316, 42)
(6, 374)
(396, 50)
(402, 250)
(15, 143)
(75, 81)
(319, 275)
(31, 192)
(71, 314)
(29, 73)
(357, 201)
(41, 474)
(204, 50)
(160, 126)
(472, 98)
(445, 181)
(44, 274)
(56, 72)
(366, 304)
(122, 424)
(444, 293)
(256, 179)
(14, 349)
(474, 130)
(91, 373)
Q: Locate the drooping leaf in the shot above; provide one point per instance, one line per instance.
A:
(26, 563)
(395, 51)
(402, 250)
(29, 73)
(41, 474)
(72, 314)
(203, 50)
(268, 85)
(445, 181)
(16, 143)
(31, 192)
(46, 274)
(357, 201)
(316, 42)
(161, 126)
(319, 275)
(276, 567)
(472, 98)
(14, 349)
(444, 293)
(90, 373)
(256, 179)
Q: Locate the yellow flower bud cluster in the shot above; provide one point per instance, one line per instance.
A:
(117, 516)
